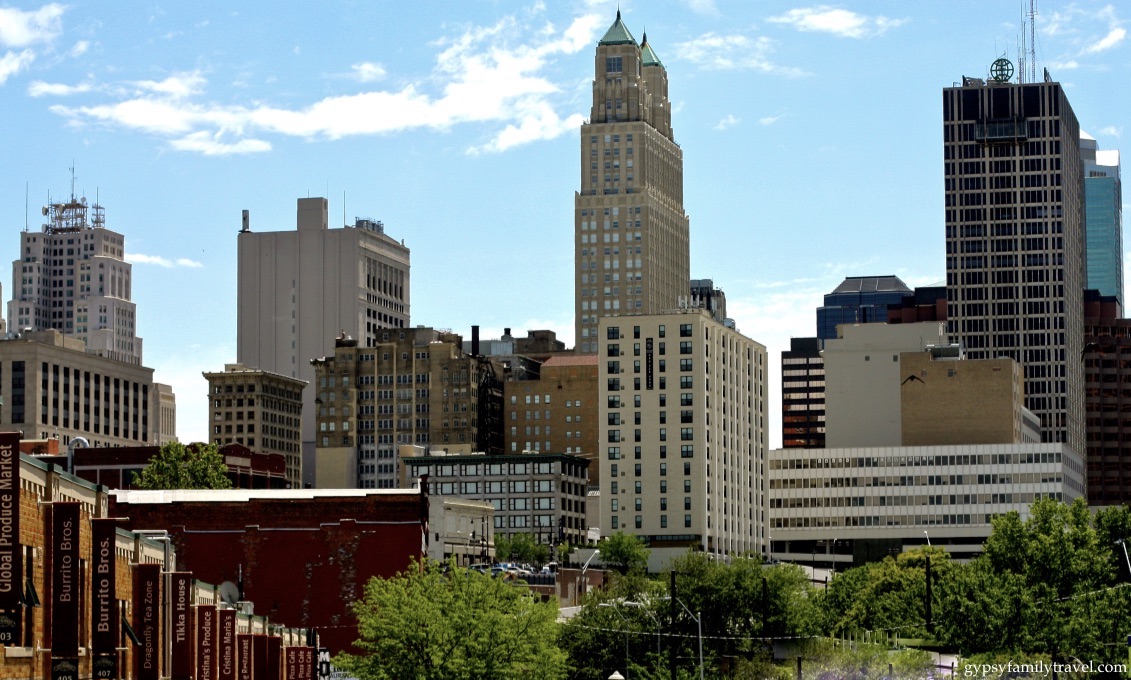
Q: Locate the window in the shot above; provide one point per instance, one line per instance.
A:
(663, 469)
(686, 469)
(687, 521)
(613, 64)
(687, 451)
(636, 470)
(686, 484)
(685, 330)
(685, 347)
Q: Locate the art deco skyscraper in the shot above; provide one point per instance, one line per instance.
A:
(1015, 239)
(72, 277)
(630, 231)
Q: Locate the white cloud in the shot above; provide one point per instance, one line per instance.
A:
(139, 258)
(210, 145)
(1064, 65)
(39, 88)
(80, 48)
(14, 62)
(842, 22)
(1113, 38)
(728, 121)
(707, 7)
(367, 72)
(21, 29)
(735, 51)
(770, 120)
(492, 74)
(1111, 131)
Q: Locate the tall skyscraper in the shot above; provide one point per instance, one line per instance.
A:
(1103, 218)
(1015, 239)
(630, 231)
(72, 277)
(299, 290)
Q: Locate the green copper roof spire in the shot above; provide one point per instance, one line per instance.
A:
(617, 34)
(647, 54)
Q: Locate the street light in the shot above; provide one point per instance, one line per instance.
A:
(617, 610)
(644, 608)
(581, 579)
(699, 622)
(1120, 543)
(928, 537)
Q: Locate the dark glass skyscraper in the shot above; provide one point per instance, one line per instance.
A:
(859, 299)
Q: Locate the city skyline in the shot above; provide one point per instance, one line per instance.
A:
(810, 134)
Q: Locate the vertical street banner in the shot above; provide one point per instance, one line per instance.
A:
(245, 657)
(306, 672)
(11, 561)
(182, 644)
(147, 621)
(323, 669)
(205, 642)
(274, 657)
(65, 577)
(259, 657)
(105, 625)
(226, 644)
(292, 663)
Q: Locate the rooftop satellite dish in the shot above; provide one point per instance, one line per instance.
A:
(229, 593)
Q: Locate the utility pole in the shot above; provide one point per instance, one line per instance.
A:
(671, 628)
(930, 622)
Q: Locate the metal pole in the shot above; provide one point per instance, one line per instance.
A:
(699, 620)
(672, 642)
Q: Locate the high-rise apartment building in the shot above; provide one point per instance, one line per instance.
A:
(683, 420)
(298, 290)
(1103, 218)
(1015, 239)
(72, 277)
(631, 234)
(260, 410)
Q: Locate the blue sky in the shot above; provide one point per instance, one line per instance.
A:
(811, 136)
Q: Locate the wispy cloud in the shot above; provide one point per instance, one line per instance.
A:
(39, 88)
(20, 30)
(770, 120)
(1111, 131)
(23, 29)
(139, 258)
(728, 121)
(706, 7)
(367, 72)
(1080, 27)
(734, 51)
(1113, 38)
(841, 22)
(487, 74)
(80, 48)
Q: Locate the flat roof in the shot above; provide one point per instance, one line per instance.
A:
(245, 495)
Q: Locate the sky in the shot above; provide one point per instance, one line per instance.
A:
(811, 135)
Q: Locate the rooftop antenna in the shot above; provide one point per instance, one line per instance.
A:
(344, 207)
(72, 180)
(1033, 40)
(1022, 55)
(25, 204)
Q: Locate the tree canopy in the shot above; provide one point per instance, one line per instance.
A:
(176, 466)
(624, 552)
(424, 624)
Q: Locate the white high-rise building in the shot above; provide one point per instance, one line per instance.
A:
(72, 277)
(631, 234)
(683, 434)
(300, 290)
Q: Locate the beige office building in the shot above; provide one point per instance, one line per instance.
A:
(556, 413)
(54, 388)
(167, 413)
(631, 234)
(72, 277)
(260, 410)
(298, 290)
(683, 415)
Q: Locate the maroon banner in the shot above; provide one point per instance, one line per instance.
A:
(245, 657)
(65, 591)
(11, 562)
(307, 664)
(205, 642)
(147, 621)
(105, 625)
(226, 644)
(291, 663)
(274, 658)
(180, 583)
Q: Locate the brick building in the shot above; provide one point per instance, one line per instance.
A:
(1107, 394)
(303, 556)
(115, 467)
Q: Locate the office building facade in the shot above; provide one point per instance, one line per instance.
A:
(1107, 373)
(631, 234)
(683, 417)
(1015, 239)
(1103, 219)
(858, 300)
(260, 410)
(803, 394)
(297, 290)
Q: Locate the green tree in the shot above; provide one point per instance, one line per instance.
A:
(176, 466)
(427, 625)
(522, 548)
(624, 552)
